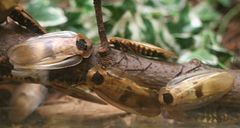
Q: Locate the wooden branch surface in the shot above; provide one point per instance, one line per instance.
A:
(154, 76)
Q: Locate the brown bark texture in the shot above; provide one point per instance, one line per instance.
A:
(146, 72)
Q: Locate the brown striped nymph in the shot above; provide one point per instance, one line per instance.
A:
(140, 48)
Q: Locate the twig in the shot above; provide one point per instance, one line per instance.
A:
(103, 49)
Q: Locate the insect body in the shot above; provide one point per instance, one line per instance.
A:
(50, 51)
(17, 13)
(6, 6)
(195, 89)
(36, 56)
(23, 18)
(123, 92)
(144, 49)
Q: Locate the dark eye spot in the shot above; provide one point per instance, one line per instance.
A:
(167, 98)
(97, 78)
(81, 44)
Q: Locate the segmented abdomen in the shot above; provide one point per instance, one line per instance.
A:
(140, 48)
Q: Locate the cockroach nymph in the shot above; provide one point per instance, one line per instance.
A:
(141, 48)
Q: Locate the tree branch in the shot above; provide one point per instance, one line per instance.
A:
(103, 49)
(147, 72)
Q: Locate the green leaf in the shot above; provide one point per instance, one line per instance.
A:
(171, 24)
(206, 12)
(149, 29)
(225, 3)
(172, 6)
(46, 14)
(130, 5)
(201, 54)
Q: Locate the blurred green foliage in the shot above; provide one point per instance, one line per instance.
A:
(188, 30)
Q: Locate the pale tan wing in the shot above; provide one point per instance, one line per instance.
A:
(50, 51)
(51, 64)
(37, 48)
(29, 52)
(144, 49)
(195, 89)
(59, 34)
(59, 63)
